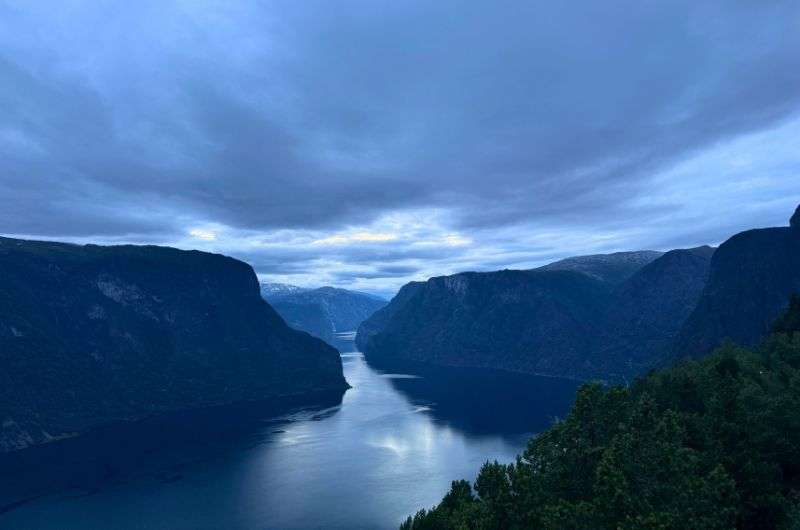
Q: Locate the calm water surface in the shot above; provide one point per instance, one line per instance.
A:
(391, 446)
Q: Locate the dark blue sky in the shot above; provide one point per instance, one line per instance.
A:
(367, 143)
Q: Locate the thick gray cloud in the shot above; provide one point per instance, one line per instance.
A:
(368, 142)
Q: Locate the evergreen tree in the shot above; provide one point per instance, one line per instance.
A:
(709, 444)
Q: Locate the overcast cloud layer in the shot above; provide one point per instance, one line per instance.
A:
(367, 143)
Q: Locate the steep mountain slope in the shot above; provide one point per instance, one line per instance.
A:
(708, 444)
(513, 320)
(625, 321)
(91, 335)
(647, 311)
(308, 317)
(389, 315)
(323, 312)
(555, 321)
(751, 278)
(610, 268)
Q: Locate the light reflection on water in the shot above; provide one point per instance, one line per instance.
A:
(387, 450)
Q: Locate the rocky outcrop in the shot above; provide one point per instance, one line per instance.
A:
(91, 335)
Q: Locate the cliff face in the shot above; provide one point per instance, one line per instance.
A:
(750, 282)
(582, 318)
(612, 318)
(323, 312)
(387, 316)
(91, 335)
(528, 321)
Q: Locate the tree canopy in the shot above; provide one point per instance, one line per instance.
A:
(706, 444)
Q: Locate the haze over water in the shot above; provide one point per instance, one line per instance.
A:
(391, 447)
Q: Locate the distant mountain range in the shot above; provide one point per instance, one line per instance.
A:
(91, 335)
(608, 317)
(325, 312)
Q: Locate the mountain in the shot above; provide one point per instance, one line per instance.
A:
(610, 268)
(322, 312)
(387, 316)
(647, 311)
(607, 317)
(751, 278)
(704, 444)
(512, 320)
(275, 290)
(91, 335)
(617, 316)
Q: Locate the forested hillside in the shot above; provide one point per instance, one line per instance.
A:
(706, 444)
(93, 335)
(607, 317)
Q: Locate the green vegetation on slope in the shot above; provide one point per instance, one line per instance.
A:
(713, 443)
(92, 335)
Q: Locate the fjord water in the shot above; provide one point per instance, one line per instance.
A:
(389, 447)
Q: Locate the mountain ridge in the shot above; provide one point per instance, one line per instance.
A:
(651, 312)
(559, 321)
(96, 334)
(613, 268)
